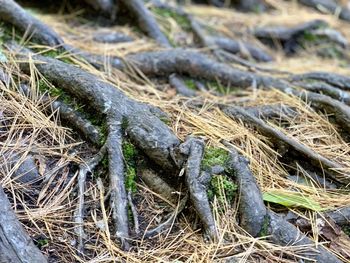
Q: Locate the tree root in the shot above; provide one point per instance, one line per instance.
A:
(246, 49)
(84, 169)
(251, 208)
(324, 88)
(71, 116)
(118, 196)
(148, 132)
(15, 245)
(330, 5)
(287, 37)
(105, 7)
(333, 79)
(159, 186)
(111, 37)
(278, 230)
(146, 21)
(283, 141)
(14, 14)
(272, 111)
(194, 148)
(167, 223)
(134, 214)
(180, 86)
(339, 216)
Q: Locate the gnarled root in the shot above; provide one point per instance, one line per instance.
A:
(197, 187)
(280, 231)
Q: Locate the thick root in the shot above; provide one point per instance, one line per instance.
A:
(15, 244)
(279, 230)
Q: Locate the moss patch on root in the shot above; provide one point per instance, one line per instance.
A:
(57, 54)
(130, 155)
(223, 188)
(214, 156)
(264, 231)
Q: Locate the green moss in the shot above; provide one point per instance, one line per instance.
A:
(182, 21)
(190, 84)
(346, 229)
(214, 156)
(165, 120)
(103, 128)
(40, 243)
(58, 54)
(129, 151)
(223, 188)
(130, 179)
(130, 155)
(264, 231)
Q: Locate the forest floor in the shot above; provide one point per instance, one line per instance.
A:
(47, 213)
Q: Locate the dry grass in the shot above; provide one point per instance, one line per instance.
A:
(48, 214)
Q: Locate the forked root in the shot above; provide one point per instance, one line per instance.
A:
(84, 169)
(197, 187)
(278, 230)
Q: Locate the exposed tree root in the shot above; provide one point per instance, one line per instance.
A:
(167, 223)
(333, 79)
(118, 196)
(287, 37)
(142, 125)
(326, 89)
(159, 186)
(146, 21)
(134, 214)
(180, 86)
(14, 14)
(71, 116)
(330, 5)
(84, 169)
(15, 246)
(284, 142)
(111, 38)
(105, 7)
(280, 231)
(251, 209)
(272, 111)
(248, 50)
(197, 187)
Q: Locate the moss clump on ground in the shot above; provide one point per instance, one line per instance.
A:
(214, 156)
(223, 188)
(130, 155)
